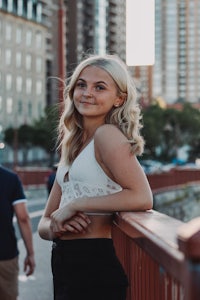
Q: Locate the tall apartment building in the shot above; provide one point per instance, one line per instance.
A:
(44, 39)
(176, 74)
(94, 26)
(22, 68)
(28, 55)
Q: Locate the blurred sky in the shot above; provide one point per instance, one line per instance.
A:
(140, 32)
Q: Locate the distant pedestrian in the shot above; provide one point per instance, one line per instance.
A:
(98, 175)
(13, 202)
(51, 178)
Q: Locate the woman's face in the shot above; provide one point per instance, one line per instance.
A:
(95, 93)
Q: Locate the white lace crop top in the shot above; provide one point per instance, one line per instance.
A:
(86, 178)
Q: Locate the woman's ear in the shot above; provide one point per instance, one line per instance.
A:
(120, 100)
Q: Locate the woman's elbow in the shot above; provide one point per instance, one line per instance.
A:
(148, 201)
(145, 201)
(44, 230)
(41, 230)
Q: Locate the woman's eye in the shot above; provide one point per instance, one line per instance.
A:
(100, 87)
(80, 84)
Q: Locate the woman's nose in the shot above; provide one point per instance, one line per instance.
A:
(88, 92)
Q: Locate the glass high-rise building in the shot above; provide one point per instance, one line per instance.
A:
(94, 26)
(175, 77)
(177, 68)
(23, 62)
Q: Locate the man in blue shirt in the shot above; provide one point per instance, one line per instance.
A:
(13, 201)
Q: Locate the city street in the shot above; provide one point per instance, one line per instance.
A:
(39, 285)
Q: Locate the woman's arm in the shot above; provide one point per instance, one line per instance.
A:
(113, 154)
(44, 227)
(77, 223)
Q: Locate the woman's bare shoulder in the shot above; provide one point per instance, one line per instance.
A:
(108, 133)
(110, 142)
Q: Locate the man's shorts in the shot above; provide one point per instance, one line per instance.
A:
(9, 270)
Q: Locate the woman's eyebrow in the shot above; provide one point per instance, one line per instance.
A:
(97, 82)
(101, 81)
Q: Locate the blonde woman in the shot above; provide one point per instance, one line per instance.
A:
(98, 175)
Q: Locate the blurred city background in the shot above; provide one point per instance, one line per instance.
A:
(41, 41)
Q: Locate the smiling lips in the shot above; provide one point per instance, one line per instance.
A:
(86, 102)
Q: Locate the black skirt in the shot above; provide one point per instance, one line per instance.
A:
(87, 265)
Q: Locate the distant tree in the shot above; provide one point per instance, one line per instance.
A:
(189, 120)
(45, 132)
(25, 140)
(20, 138)
(9, 135)
(152, 124)
(168, 129)
(42, 133)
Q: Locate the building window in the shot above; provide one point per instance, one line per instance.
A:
(8, 32)
(8, 82)
(10, 5)
(38, 87)
(28, 62)
(19, 107)
(39, 12)
(19, 84)
(38, 40)
(40, 108)
(20, 7)
(18, 35)
(28, 86)
(9, 105)
(18, 59)
(30, 9)
(8, 57)
(29, 108)
(38, 64)
(28, 38)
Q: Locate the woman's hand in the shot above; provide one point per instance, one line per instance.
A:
(60, 216)
(65, 219)
(78, 223)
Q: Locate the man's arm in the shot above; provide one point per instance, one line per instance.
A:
(26, 233)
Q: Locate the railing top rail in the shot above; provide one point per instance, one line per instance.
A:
(155, 226)
(165, 237)
(189, 239)
(162, 241)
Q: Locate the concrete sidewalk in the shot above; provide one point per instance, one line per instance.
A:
(39, 286)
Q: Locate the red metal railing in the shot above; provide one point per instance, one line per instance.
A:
(159, 181)
(161, 255)
(173, 178)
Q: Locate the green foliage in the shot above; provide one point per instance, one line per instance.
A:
(9, 136)
(163, 129)
(42, 133)
(46, 129)
(152, 122)
(25, 135)
(169, 129)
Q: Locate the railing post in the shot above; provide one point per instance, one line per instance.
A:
(189, 244)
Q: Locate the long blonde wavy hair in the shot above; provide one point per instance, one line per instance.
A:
(126, 117)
